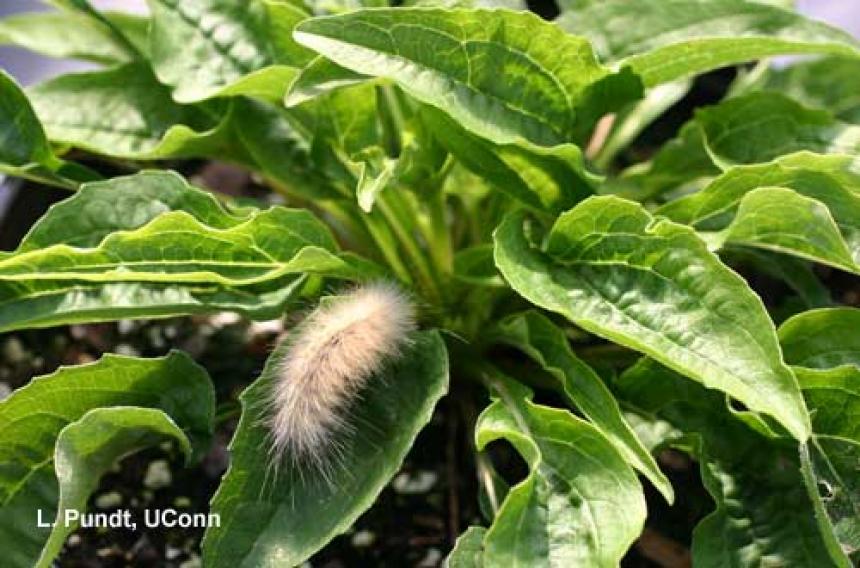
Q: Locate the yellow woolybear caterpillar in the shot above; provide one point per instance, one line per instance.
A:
(329, 359)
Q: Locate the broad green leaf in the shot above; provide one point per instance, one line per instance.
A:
(828, 83)
(195, 259)
(67, 35)
(33, 416)
(209, 48)
(278, 150)
(544, 179)
(283, 520)
(830, 179)
(651, 285)
(818, 219)
(833, 397)
(541, 340)
(452, 59)
(824, 344)
(762, 126)
(348, 119)
(781, 220)
(133, 27)
(664, 40)
(344, 125)
(580, 505)
(763, 514)
(831, 478)
(822, 339)
(468, 549)
(24, 148)
(123, 204)
(21, 538)
(88, 448)
(125, 112)
(177, 251)
(749, 129)
(23, 139)
(124, 32)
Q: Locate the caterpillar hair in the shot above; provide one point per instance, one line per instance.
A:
(329, 359)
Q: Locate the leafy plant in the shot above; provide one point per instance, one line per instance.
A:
(577, 281)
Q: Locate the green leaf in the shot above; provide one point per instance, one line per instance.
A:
(652, 285)
(831, 179)
(541, 340)
(580, 505)
(132, 27)
(468, 549)
(818, 219)
(283, 520)
(452, 59)
(88, 448)
(24, 148)
(156, 262)
(763, 514)
(664, 40)
(20, 536)
(123, 204)
(828, 83)
(66, 35)
(123, 31)
(822, 339)
(211, 48)
(762, 126)
(749, 129)
(23, 139)
(278, 149)
(544, 179)
(824, 344)
(33, 416)
(345, 124)
(833, 397)
(177, 248)
(125, 112)
(781, 220)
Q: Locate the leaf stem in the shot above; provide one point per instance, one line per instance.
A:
(416, 255)
(381, 235)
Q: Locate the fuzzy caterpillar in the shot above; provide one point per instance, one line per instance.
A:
(330, 357)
